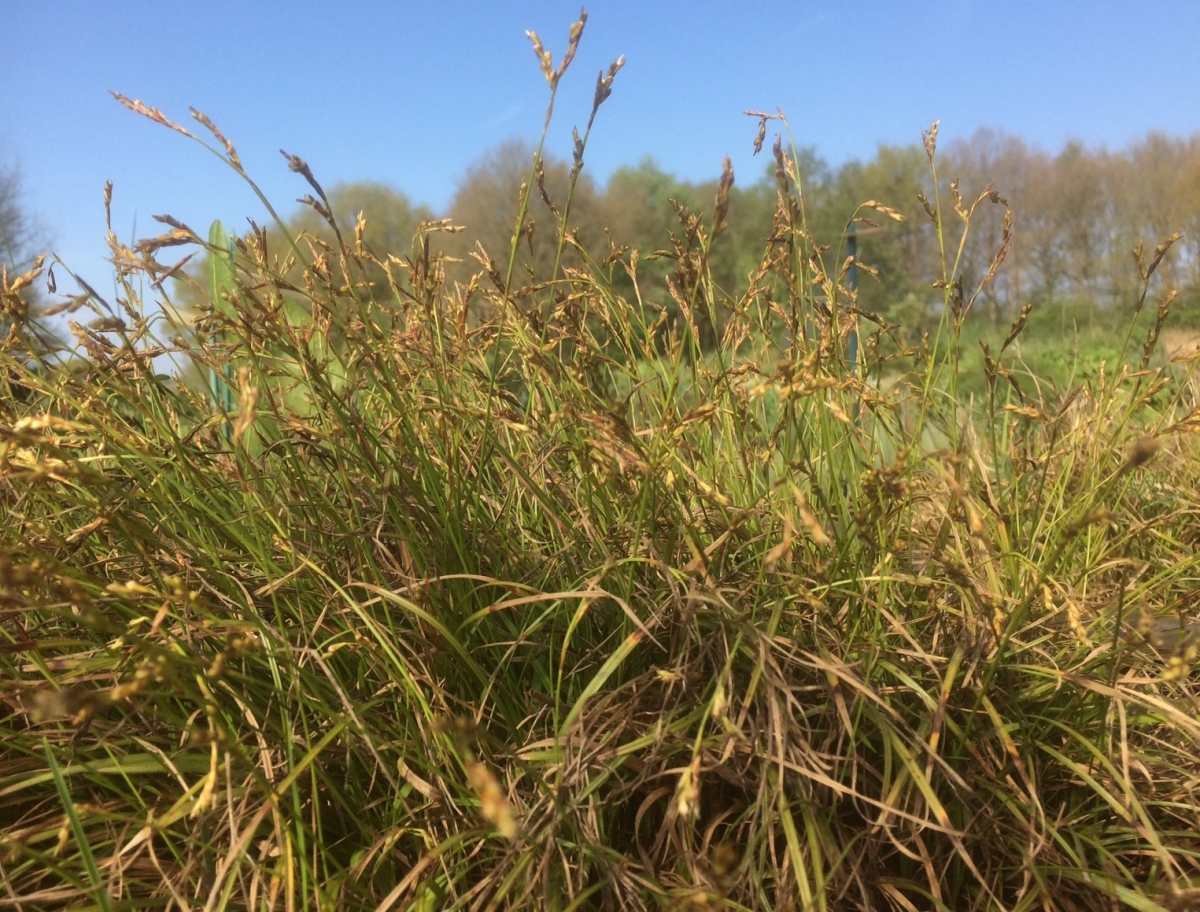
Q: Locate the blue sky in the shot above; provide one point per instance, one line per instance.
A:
(411, 93)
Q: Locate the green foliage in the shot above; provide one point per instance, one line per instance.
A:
(388, 224)
(489, 202)
(21, 239)
(22, 247)
(222, 283)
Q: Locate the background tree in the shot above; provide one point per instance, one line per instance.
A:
(22, 239)
(647, 208)
(904, 255)
(991, 158)
(1082, 214)
(641, 216)
(23, 338)
(1158, 193)
(487, 203)
(390, 224)
(1076, 216)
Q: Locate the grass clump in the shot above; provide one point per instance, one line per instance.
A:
(561, 608)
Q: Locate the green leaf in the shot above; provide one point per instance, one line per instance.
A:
(85, 849)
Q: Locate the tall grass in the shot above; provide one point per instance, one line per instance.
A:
(564, 609)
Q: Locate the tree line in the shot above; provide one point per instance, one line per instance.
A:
(1076, 215)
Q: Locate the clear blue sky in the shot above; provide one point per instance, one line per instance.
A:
(411, 93)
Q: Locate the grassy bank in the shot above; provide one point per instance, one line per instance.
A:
(514, 597)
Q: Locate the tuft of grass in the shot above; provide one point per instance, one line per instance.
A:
(583, 604)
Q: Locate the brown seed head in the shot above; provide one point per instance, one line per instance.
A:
(572, 43)
(604, 85)
(1161, 251)
(929, 139)
(1141, 453)
(544, 59)
(300, 166)
(1137, 258)
(721, 208)
(929, 210)
(212, 128)
(781, 164)
(1018, 325)
(153, 113)
(958, 200)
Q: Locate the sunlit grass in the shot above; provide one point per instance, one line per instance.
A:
(561, 608)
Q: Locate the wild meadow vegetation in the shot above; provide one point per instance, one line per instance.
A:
(596, 587)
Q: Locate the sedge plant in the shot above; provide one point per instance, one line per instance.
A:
(553, 597)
